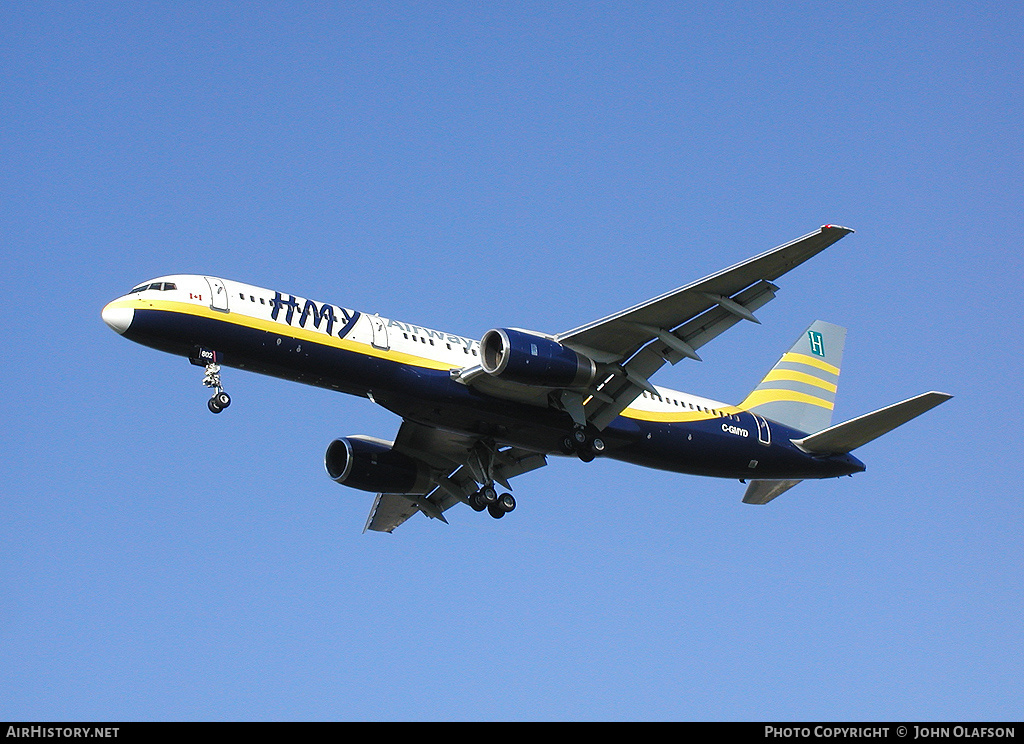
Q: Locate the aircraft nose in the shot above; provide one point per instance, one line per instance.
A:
(118, 317)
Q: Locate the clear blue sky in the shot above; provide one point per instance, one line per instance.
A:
(471, 165)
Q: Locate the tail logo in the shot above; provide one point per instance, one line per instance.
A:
(817, 343)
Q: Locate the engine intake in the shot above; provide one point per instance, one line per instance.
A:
(526, 358)
(372, 465)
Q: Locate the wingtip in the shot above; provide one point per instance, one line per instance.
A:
(838, 227)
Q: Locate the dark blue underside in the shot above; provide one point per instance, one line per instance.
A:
(431, 397)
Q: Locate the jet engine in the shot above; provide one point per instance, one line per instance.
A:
(372, 465)
(530, 359)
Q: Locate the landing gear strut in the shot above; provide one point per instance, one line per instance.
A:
(220, 399)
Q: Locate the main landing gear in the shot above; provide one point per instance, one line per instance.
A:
(583, 444)
(220, 399)
(486, 465)
(488, 498)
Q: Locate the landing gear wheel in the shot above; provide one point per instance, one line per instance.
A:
(497, 507)
(223, 399)
(582, 445)
(213, 405)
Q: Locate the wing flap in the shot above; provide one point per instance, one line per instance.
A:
(619, 391)
(389, 511)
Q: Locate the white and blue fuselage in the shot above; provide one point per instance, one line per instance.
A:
(413, 371)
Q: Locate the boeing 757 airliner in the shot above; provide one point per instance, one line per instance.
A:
(476, 414)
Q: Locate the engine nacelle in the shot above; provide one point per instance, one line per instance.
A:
(523, 357)
(371, 465)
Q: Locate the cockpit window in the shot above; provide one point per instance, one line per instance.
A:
(159, 286)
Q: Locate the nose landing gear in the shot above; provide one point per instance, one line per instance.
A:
(220, 399)
(202, 357)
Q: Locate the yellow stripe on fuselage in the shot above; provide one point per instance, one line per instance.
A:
(640, 414)
(283, 329)
(319, 337)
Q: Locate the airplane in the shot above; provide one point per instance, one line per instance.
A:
(476, 414)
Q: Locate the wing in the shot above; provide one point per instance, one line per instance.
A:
(460, 465)
(633, 344)
(636, 342)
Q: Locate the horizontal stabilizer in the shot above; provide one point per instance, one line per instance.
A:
(848, 436)
(763, 491)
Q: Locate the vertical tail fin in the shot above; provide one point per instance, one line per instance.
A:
(800, 390)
